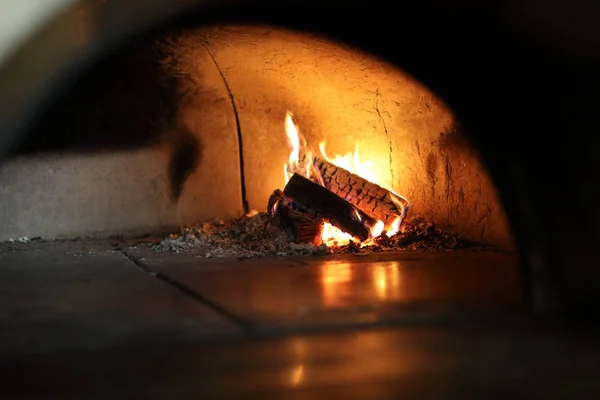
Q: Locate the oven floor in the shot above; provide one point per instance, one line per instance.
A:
(87, 319)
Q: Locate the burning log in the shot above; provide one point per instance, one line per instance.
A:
(303, 227)
(304, 196)
(370, 198)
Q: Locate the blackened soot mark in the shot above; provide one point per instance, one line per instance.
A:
(186, 156)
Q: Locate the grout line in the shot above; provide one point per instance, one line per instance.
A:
(244, 323)
(245, 204)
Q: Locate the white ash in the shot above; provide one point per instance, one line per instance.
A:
(23, 239)
(251, 236)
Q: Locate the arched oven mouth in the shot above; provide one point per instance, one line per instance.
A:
(328, 147)
(209, 146)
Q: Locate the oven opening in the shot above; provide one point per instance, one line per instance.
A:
(260, 147)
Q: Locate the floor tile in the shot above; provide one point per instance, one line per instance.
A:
(60, 297)
(312, 291)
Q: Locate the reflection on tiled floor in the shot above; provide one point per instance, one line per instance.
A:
(429, 363)
(315, 291)
(86, 321)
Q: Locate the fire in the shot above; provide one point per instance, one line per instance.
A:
(352, 162)
(293, 139)
(332, 236)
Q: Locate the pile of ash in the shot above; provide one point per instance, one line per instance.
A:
(251, 236)
(415, 235)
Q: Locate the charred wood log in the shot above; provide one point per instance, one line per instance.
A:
(370, 198)
(302, 227)
(276, 198)
(314, 199)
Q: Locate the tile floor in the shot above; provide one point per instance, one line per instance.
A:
(90, 320)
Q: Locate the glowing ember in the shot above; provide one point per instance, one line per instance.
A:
(394, 228)
(377, 229)
(351, 162)
(332, 236)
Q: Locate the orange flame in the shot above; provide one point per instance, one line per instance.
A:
(351, 161)
(291, 133)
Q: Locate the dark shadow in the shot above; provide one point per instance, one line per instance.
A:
(184, 159)
(125, 101)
